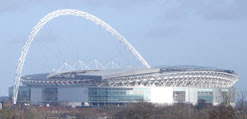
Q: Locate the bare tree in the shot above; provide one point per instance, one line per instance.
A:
(222, 112)
(135, 111)
(226, 97)
(242, 105)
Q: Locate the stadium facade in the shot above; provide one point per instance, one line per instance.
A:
(161, 85)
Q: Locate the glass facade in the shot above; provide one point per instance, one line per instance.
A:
(179, 96)
(49, 95)
(122, 95)
(118, 95)
(23, 94)
(205, 97)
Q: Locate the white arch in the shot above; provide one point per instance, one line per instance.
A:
(64, 12)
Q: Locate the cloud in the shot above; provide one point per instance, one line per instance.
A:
(119, 4)
(208, 9)
(163, 32)
(224, 9)
(12, 5)
(47, 36)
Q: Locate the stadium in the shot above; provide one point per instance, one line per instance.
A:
(161, 85)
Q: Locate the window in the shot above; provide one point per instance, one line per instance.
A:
(23, 94)
(49, 94)
(179, 96)
(205, 97)
(109, 95)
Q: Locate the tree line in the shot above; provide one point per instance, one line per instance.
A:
(141, 110)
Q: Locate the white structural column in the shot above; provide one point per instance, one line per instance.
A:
(64, 12)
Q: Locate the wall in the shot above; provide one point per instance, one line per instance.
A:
(162, 95)
(36, 96)
(72, 94)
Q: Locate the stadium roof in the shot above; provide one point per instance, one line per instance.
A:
(193, 68)
(112, 73)
(168, 76)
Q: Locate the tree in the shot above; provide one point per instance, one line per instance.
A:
(242, 105)
(222, 112)
(135, 111)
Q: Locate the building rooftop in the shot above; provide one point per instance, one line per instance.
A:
(193, 68)
(113, 73)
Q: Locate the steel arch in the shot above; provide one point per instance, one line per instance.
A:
(64, 12)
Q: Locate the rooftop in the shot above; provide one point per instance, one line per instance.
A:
(112, 73)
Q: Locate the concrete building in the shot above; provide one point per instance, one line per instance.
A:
(161, 85)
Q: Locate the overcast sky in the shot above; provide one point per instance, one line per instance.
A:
(166, 32)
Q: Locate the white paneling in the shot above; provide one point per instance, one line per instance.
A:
(73, 94)
(162, 95)
(36, 95)
(191, 95)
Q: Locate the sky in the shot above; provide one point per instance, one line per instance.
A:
(209, 33)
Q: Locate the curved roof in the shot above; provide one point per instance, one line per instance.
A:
(193, 68)
(178, 76)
